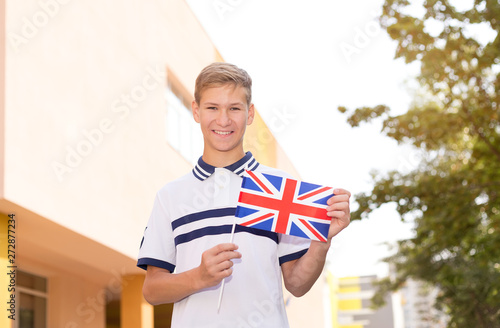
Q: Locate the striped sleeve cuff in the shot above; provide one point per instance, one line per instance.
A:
(293, 256)
(145, 261)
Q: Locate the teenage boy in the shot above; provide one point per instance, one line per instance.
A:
(186, 249)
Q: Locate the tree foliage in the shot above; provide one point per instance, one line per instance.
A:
(454, 193)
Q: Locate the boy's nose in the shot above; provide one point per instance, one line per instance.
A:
(223, 118)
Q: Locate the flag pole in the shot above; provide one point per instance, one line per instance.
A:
(231, 240)
(223, 281)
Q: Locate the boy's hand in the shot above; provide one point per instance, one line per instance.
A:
(216, 264)
(339, 211)
(301, 274)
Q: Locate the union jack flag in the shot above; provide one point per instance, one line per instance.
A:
(284, 205)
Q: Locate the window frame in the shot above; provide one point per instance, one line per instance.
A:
(31, 292)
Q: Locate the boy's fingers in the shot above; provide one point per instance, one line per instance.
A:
(224, 248)
(224, 252)
(342, 206)
(338, 199)
(229, 255)
(340, 191)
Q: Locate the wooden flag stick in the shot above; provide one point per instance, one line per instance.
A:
(223, 281)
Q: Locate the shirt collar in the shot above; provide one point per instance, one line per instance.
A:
(203, 170)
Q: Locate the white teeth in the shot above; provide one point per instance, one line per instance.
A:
(222, 132)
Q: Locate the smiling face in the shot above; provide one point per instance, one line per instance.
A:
(223, 114)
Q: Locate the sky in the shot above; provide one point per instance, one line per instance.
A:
(306, 59)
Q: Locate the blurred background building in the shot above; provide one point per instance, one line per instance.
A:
(418, 305)
(351, 306)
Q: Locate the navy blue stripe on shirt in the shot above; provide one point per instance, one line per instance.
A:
(206, 231)
(264, 233)
(253, 164)
(240, 164)
(215, 213)
(250, 165)
(223, 229)
(203, 170)
(145, 261)
(293, 256)
(199, 174)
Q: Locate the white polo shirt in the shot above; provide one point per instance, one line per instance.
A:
(195, 213)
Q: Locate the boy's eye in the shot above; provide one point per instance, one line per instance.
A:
(212, 107)
(235, 108)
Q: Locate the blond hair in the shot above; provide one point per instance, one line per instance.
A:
(220, 74)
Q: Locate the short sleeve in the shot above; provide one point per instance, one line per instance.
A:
(157, 246)
(291, 247)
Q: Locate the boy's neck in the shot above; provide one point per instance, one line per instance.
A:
(222, 159)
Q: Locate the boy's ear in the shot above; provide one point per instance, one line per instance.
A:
(251, 114)
(196, 111)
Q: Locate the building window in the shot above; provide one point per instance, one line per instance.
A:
(31, 291)
(182, 133)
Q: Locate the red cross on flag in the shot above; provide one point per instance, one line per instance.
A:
(284, 205)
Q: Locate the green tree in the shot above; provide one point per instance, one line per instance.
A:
(453, 193)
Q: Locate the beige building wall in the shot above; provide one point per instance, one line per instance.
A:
(85, 110)
(2, 93)
(308, 310)
(262, 143)
(82, 141)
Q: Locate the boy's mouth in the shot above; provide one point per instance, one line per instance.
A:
(223, 133)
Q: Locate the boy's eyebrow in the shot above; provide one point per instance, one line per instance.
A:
(217, 104)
